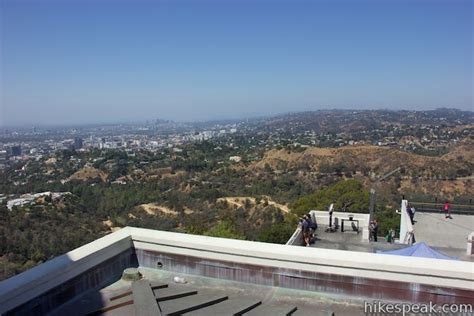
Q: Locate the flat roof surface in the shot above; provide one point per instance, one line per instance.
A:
(206, 296)
(350, 240)
(447, 235)
(326, 273)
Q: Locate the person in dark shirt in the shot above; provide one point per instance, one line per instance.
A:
(375, 230)
(305, 226)
(312, 229)
(312, 224)
(371, 230)
(413, 211)
(410, 213)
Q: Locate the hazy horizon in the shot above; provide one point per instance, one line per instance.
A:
(210, 120)
(91, 62)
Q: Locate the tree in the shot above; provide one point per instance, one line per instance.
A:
(247, 203)
(225, 230)
(348, 195)
(278, 234)
(268, 168)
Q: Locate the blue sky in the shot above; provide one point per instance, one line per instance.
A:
(65, 62)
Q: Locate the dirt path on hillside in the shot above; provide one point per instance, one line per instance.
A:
(239, 201)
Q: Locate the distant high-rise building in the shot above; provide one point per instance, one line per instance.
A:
(77, 143)
(3, 159)
(15, 150)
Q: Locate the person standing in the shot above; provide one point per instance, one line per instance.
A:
(410, 213)
(447, 210)
(312, 225)
(371, 230)
(392, 234)
(306, 230)
(375, 230)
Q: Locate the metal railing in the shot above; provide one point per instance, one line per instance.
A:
(437, 207)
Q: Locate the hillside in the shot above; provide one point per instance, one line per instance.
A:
(89, 173)
(449, 175)
(458, 162)
(240, 201)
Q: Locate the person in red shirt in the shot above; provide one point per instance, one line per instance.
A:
(446, 208)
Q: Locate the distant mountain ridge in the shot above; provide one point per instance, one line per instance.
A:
(458, 162)
(337, 121)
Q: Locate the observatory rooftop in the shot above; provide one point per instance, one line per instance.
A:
(448, 235)
(204, 296)
(200, 275)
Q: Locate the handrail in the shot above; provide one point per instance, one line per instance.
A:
(465, 209)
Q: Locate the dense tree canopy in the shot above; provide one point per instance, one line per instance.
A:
(347, 195)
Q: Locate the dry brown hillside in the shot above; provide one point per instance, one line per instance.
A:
(87, 173)
(462, 151)
(239, 201)
(446, 188)
(458, 162)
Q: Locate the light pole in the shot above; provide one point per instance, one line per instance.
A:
(372, 192)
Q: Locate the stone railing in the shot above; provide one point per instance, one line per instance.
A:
(324, 270)
(297, 238)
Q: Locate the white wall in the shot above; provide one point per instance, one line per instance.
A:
(32, 283)
(405, 223)
(456, 274)
(322, 217)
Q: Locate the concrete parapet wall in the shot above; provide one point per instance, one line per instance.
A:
(353, 273)
(303, 278)
(46, 286)
(363, 273)
(297, 238)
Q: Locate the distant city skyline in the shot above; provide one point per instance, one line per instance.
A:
(225, 120)
(80, 62)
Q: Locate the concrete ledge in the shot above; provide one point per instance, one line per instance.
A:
(417, 270)
(26, 286)
(280, 265)
(359, 274)
(297, 238)
(302, 277)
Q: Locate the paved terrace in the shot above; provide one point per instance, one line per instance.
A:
(345, 274)
(350, 240)
(449, 236)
